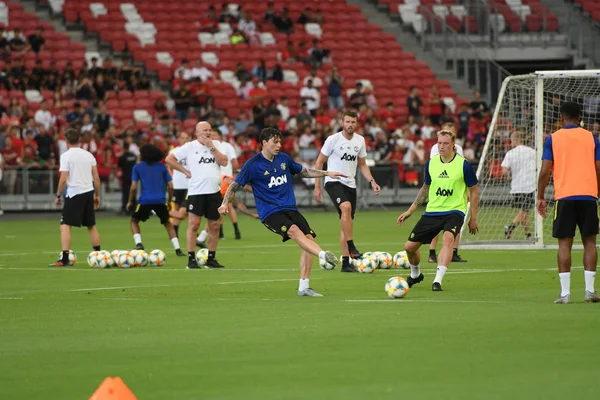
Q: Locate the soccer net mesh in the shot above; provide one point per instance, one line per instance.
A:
(530, 105)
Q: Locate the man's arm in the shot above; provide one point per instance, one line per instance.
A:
(132, 192)
(420, 199)
(597, 173)
(169, 191)
(172, 162)
(221, 158)
(545, 177)
(505, 171)
(234, 187)
(365, 170)
(321, 160)
(474, 199)
(62, 181)
(313, 173)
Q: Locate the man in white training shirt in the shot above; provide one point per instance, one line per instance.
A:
(180, 188)
(204, 160)
(226, 179)
(449, 126)
(78, 170)
(343, 152)
(520, 163)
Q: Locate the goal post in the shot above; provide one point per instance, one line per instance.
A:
(528, 105)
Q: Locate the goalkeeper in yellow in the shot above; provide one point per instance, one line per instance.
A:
(448, 176)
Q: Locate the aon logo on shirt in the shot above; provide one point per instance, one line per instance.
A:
(444, 192)
(206, 160)
(348, 157)
(277, 180)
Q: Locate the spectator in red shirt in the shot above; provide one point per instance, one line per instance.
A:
(436, 107)
(12, 159)
(209, 22)
(389, 116)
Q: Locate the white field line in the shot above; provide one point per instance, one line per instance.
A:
(396, 301)
(261, 281)
(11, 298)
(115, 288)
(121, 298)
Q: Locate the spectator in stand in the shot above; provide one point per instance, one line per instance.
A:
(414, 103)
(463, 119)
(304, 116)
(388, 117)
(478, 106)
(269, 15)
(413, 126)
(469, 152)
(101, 88)
(127, 71)
(283, 22)
(335, 84)
(183, 101)
(258, 92)
(277, 74)
(18, 73)
(289, 53)
(109, 70)
(237, 37)
(370, 99)
(247, 27)
(284, 109)
(68, 72)
(18, 43)
(85, 89)
(95, 69)
(4, 44)
(30, 157)
(428, 130)
(183, 71)
(311, 97)
(103, 120)
(357, 98)
(382, 145)
(316, 81)
(226, 15)
(317, 54)
(242, 72)
(318, 18)
(43, 116)
(259, 114)
(418, 158)
(126, 162)
(12, 158)
(260, 71)
(36, 40)
(447, 117)
(307, 138)
(306, 16)
(67, 90)
(200, 71)
(144, 83)
(201, 94)
(210, 22)
(87, 125)
(242, 122)
(436, 106)
(45, 145)
(246, 86)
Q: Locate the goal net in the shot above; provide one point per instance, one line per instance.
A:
(528, 108)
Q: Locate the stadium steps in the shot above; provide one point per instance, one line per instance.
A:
(410, 43)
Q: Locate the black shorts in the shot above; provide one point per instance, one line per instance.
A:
(205, 205)
(429, 226)
(339, 193)
(79, 210)
(569, 214)
(143, 211)
(281, 221)
(180, 197)
(523, 201)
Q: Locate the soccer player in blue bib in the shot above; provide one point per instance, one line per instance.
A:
(270, 175)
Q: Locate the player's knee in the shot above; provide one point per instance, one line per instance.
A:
(448, 239)
(294, 232)
(346, 208)
(411, 247)
(310, 237)
(213, 225)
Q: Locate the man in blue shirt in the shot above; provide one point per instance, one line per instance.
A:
(270, 175)
(155, 180)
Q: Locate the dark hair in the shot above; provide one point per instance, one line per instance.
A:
(151, 154)
(217, 131)
(269, 133)
(571, 110)
(350, 113)
(72, 136)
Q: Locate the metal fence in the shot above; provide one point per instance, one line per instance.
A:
(34, 190)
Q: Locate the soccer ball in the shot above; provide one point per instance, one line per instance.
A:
(396, 287)
(385, 260)
(156, 258)
(72, 257)
(126, 260)
(140, 258)
(115, 256)
(366, 265)
(401, 260)
(92, 259)
(104, 259)
(325, 265)
(202, 257)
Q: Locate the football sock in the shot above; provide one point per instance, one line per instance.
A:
(202, 236)
(235, 227)
(322, 254)
(303, 284)
(65, 256)
(137, 238)
(345, 260)
(454, 252)
(415, 271)
(211, 255)
(176, 227)
(511, 228)
(565, 283)
(191, 257)
(439, 275)
(351, 245)
(175, 242)
(221, 230)
(590, 277)
(431, 252)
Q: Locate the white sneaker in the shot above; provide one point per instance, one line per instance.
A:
(591, 297)
(309, 292)
(566, 299)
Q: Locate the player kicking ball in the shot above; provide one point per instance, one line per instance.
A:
(270, 175)
(448, 176)
(156, 181)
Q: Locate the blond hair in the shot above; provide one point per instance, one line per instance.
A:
(450, 126)
(447, 132)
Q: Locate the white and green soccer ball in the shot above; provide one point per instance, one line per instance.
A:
(325, 265)
(156, 258)
(72, 257)
(396, 287)
(401, 260)
(92, 259)
(115, 256)
(386, 261)
(366, 265)
(140, 258)
(202, 257)
(126, 260)
(104, 259)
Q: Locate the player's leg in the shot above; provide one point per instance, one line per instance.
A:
(89, 221)
(306, 260)
(424, 231)
(195, 213)
(234, 220)
(432, 247)
(347, 226)
(163, 214)
(94, 237)
(211, 211)
(414, 261)
(563, 229)
(444, 259)
(346, 265)
(201, 239)
(588, 227)
(295, 233)
(455, 244)
(142, 213)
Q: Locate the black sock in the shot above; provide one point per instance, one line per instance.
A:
(235, 227)
(211, 255)
(65, 256)
(97, 248)
(455, 251)
(176, 227)
(191, 257)
(528, 235)
(351, 245)
(221, 230)
(431, 252)
(345, 261)
(511, 228)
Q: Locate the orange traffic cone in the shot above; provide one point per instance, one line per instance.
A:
(113, 389)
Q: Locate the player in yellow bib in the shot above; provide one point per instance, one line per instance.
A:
(448, 176)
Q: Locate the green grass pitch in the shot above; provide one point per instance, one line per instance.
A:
(242, 333)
